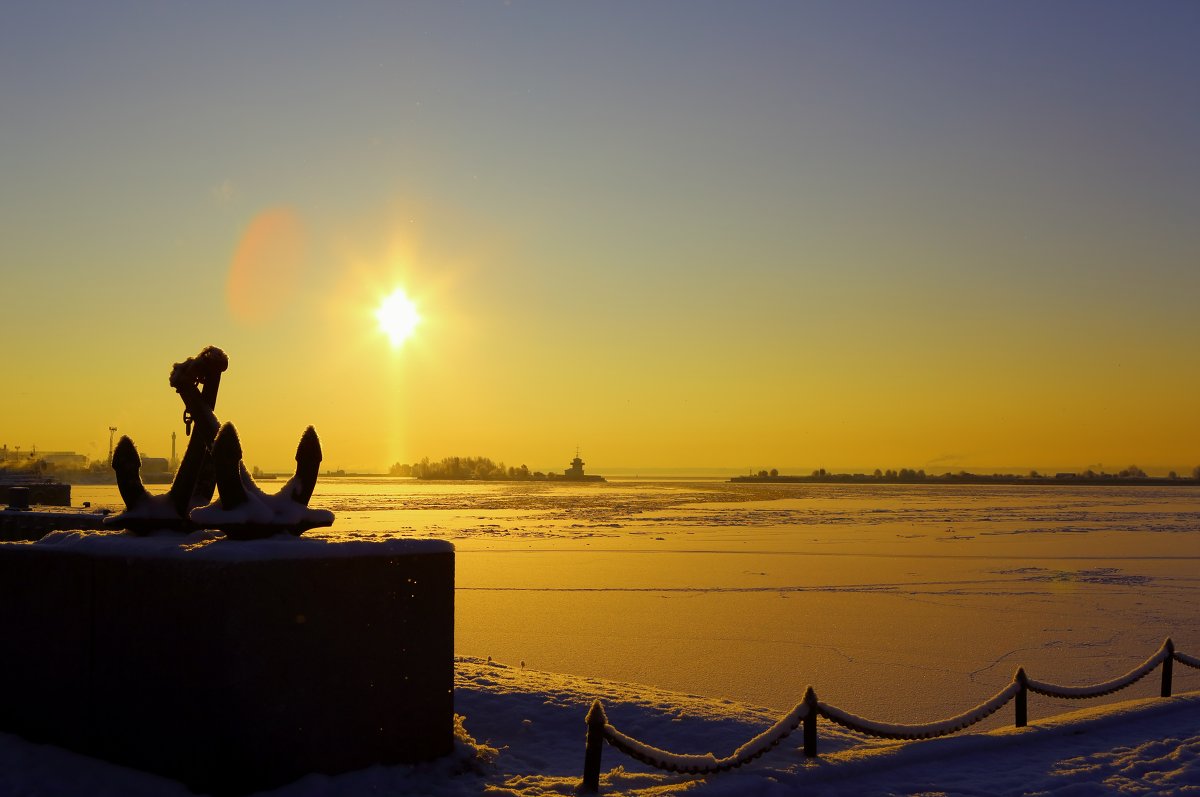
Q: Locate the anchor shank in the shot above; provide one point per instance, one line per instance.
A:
(194, 469)
(197, 380)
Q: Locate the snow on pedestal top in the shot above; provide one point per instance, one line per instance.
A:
(213, 546)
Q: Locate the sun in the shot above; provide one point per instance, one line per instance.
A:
(398, 317)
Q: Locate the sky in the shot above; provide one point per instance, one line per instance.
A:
(935, 235)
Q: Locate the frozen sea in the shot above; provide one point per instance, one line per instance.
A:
(899, 603)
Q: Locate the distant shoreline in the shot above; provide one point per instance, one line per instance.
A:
(1100, 480)
(972, 478)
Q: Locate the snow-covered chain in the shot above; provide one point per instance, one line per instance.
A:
(1101, 689)
(708, 763)
(807, 711)
(930, 730)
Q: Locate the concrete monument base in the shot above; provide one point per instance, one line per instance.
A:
(230, 666)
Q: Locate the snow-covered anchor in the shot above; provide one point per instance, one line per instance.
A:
(213, 462)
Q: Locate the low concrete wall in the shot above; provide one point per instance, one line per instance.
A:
(231, 667)
(32, 492)
(33, 525)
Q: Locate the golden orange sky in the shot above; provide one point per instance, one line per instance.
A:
(798, 237)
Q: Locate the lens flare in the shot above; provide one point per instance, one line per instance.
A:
(266, 265)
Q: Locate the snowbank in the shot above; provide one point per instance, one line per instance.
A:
(522, 734)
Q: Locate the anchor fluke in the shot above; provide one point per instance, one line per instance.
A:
(127, 465)
(144, 513)
(227, 462)
(308, 465)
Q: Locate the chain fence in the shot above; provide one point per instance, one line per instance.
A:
(805, 714)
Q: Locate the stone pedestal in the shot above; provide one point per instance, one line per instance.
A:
(231, 667)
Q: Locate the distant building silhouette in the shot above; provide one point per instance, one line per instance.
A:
(53, 459)
(575, 472)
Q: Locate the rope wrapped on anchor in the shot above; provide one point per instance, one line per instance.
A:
(1101, 689)
(708, 763)
(1186, 660)
(930, 730)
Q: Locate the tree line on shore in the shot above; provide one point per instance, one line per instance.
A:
(1132, 474)
(465, 469)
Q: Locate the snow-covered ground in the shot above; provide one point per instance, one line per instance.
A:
(522, 734)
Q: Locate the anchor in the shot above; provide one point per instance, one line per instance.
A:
(213, 461)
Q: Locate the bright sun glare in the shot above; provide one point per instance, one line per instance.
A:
(398, 317)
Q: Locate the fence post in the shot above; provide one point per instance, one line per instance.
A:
(1022, 698)
(810, 724)
(1168, 665)
(595, 744)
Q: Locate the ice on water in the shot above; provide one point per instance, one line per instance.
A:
(904, 604)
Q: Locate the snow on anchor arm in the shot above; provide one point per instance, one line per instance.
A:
(1106, 688)
(928, 730)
